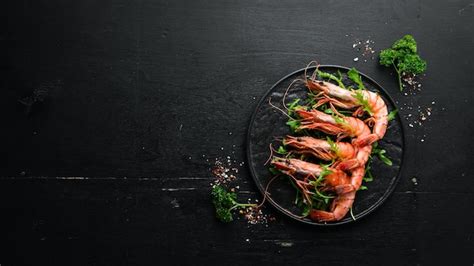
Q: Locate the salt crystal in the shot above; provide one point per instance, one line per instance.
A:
(356, 59)
(410, 125)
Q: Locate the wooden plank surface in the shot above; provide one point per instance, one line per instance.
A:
(113, 168)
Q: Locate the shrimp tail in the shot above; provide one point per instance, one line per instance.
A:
(366, 140)
(346, 188)
(347, 164)
(321, 216)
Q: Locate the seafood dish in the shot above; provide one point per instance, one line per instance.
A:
(334, 136)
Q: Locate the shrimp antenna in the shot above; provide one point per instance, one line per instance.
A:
(279, 109)
(271, 154)
(265, 192)
(286, 93)
(307, 66)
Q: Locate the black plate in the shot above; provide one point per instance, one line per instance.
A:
(267, 123)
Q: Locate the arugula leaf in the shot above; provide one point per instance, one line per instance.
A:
(392, 115)
(381, 154)
(332, 77)
(306, 210)
(333, 146)
(329, 111)
(273, 170)
(363, 101)
(294, 125)
(368, 177)
(293, 106)
(353, 74)
(385, 159)
(281, 150)
(339, 120)
(363, 187)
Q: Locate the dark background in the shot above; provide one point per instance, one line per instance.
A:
(111, 168)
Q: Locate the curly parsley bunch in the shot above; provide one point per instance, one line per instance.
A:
(404, 58)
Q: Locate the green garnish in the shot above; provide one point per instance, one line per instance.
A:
(306, 210)
(273, 170)
(332, 77)
(362, 101)
(363, 188)
(294, 125)
(329, 111)
(282, 150)
(339, 120)
(225, 202)
(404, 58)
(353, 74)
(381, 154)
(392, 115)
(293, 106)
(368, 177)
(333, 146)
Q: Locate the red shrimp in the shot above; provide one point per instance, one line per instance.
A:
(349, 99)
(321, 148)
(342, 127)
(343, 202)
(294, 166)
(339, 208)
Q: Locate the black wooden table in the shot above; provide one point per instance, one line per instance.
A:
(140, 97)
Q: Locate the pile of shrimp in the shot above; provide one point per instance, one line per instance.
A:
(348, 154)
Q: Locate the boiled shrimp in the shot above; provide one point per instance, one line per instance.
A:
(321, 149)
(309, 170)
(339, 208)
(347, 99)
(346, 127)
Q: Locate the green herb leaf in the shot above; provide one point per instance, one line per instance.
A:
(363, 188)
(392, 115)
(294, 125)
(333, 146)
(306, 210)
(273, 170)
(363, 101)
(224, 202)
(403, 57)
(353, 74)
(385, 159)
(329, 111)
(381, 154)
(368, 177)
(332, 77)
(281, 150)
(293, 106)
(339, 120)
